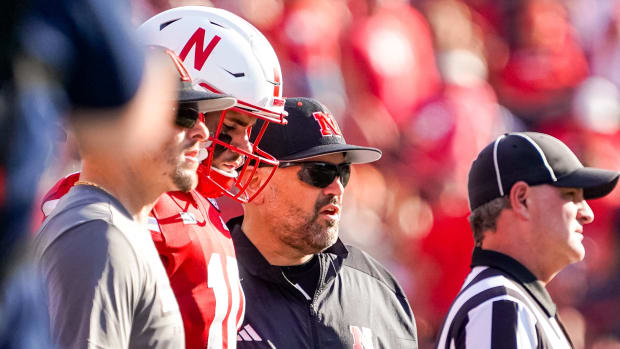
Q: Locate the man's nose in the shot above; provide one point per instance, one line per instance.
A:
(335, 187)
(585, 214)
(200, 131)
(242, 141)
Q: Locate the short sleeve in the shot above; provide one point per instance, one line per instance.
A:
(93, 282)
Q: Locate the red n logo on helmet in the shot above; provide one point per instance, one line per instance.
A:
(200, 55)
(329, 126)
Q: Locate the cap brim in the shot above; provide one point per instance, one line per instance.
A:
(206, 101)
(355, 154)
(215, 104)
(595, 182)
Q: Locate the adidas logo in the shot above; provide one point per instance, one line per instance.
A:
(248, 334)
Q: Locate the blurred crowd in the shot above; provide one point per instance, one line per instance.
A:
(431, 82)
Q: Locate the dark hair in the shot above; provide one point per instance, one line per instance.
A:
(485, 216)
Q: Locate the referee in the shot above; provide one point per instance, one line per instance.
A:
(527, 195)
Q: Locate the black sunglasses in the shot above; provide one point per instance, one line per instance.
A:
(321, 174)
(187, 117)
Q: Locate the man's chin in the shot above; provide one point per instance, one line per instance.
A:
(579, 254)
(325, 240)
(320, 246)
(185, 181)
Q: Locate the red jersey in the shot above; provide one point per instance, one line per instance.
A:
(198, 254)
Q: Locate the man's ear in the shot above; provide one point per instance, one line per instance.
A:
(519, 196)
(256, 182)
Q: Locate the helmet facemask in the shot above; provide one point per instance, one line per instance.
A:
(225, 53)
(215, 182)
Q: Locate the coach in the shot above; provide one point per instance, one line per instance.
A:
(305, 288)
(527, 194)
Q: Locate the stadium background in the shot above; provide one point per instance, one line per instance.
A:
(430, 83)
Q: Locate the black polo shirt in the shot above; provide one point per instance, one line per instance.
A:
(356, 302)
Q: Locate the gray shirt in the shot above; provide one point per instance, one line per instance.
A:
(106, 285)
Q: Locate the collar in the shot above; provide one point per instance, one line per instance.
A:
(518, 272)
(183, 199)
(252, 260)
(95, 191)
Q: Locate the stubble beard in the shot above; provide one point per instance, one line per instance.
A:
(312, 236)
(183, 178)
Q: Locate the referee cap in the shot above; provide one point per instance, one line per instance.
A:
(535, 158)
(311, 131)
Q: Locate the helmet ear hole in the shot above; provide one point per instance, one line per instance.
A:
(165, 24)
(215, 23)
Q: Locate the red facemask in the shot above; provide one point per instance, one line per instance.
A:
(213, 183)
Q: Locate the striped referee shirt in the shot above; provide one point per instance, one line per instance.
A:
(501, 305)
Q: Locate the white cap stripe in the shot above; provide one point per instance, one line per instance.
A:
(497, 174)
(542, 156)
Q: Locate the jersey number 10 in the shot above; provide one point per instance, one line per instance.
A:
(221, 284)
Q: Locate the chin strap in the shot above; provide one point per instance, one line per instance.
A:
(206, 186)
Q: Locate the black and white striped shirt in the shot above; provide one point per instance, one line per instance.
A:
(501, 305)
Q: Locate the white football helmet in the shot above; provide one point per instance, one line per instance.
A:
(224, 54)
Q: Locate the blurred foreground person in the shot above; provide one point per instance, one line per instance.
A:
(54, 56)
(527, 195)
(106, 285)
(305, 288)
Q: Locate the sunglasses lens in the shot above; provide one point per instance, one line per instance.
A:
(345, 174)
(322, 174)
(187, 117)
(317, 175)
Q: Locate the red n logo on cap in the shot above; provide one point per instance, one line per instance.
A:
(200, 55)
(329, 126)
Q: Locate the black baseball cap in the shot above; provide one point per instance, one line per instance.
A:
(535, 158)
(203, 100)
(311, 131)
